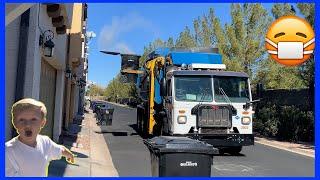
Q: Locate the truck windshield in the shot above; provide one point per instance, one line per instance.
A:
(191, 88)
(236, 88)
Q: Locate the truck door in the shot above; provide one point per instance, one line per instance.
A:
(169, 107)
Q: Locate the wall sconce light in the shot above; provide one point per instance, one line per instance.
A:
(68, 73)
(48, 45)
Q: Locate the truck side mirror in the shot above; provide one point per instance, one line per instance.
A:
(163, 87)
(248, 104)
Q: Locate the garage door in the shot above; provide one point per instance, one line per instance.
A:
(48, 94)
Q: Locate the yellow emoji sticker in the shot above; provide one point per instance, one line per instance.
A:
(290, 40)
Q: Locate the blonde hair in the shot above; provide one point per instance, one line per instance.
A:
(28, 104)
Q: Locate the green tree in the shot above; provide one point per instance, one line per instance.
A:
(197, 31)
(241, 43)
(307, 9)
(283, 9)
(170, 43)
(117, 89)
(186, 39)
(158, 43)
(308, 68)
(95, 90)
(203, 32)
(274, 75)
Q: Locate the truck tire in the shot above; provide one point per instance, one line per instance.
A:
(165, 128)
(144, 126)
(234, 150)
(138, 121)
(157, 129)
(141, 125)
(144, 133)
(230, 150)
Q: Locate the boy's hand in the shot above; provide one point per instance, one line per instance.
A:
(70, 159)
(69, 156)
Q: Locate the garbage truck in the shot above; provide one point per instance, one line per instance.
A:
(188, 92)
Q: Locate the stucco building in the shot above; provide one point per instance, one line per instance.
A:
(31, 71)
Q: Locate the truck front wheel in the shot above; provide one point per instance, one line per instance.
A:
(157, 129)
(231, 150)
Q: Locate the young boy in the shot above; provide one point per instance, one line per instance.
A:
(29, 153)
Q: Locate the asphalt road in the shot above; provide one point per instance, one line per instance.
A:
(131, 157)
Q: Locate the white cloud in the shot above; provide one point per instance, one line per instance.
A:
(91, 34)
(110, 35)
(123, 48)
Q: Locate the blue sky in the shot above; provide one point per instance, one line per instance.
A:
(129, 27)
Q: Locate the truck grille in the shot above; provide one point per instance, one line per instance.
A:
(214, 116)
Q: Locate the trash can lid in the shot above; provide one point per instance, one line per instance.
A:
(167, 144)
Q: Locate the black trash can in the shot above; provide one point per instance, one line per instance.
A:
(180, 156)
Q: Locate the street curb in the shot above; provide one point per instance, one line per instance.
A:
(278, 146)
(121, 105)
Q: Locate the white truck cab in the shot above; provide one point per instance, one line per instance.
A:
(210, 103)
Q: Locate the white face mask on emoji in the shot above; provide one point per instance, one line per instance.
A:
(290, 50)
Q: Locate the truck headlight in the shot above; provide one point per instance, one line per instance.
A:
(246, 120)
(182, 119)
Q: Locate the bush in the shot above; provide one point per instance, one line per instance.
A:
(285, 123)
(296, 125)
(266, 122)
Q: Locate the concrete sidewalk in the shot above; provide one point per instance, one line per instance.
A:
(92, 159)
(301, 148)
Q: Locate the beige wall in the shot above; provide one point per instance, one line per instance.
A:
(33, 64)
(77, 16)
(75, 57)
(76, 33)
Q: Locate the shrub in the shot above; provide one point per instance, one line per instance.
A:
(267, 117)
(284, 122)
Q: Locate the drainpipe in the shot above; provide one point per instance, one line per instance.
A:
(68, 89)
(22, 57)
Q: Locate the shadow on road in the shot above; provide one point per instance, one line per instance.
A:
(57, 168)
(135, 128)
(117, 133)
(114, 133)
(226, 154)
(68, 138)
(79, 155)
